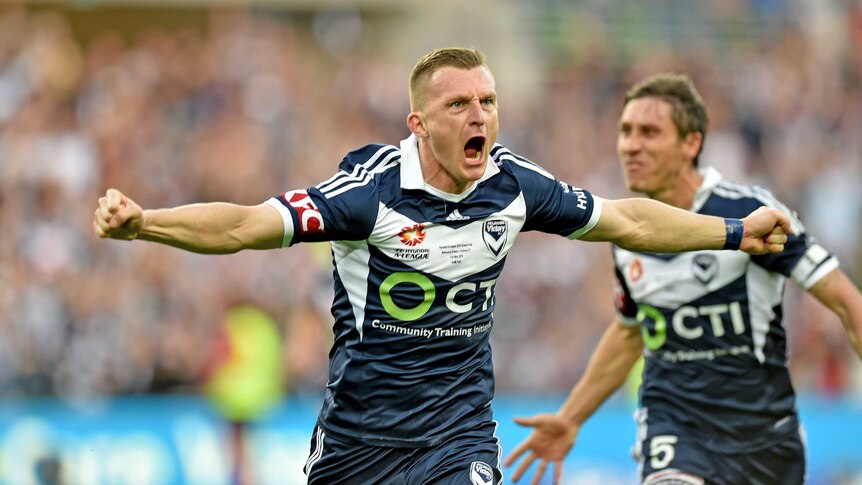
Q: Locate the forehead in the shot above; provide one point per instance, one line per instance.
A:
(451, 81)
(652, 110)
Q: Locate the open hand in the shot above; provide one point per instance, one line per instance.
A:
(550, 442)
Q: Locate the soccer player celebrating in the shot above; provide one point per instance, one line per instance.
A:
(419, 235)
(716, 402)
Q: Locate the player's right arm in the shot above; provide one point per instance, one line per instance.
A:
(839, 294)
(554, 435)
(212, 228)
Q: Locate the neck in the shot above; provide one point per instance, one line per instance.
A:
(681, 193)
(435, 175)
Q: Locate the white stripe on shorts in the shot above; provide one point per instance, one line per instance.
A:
(316, 453)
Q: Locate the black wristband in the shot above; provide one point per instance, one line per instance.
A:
(733, 233)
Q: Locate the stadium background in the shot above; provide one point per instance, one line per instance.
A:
(106, 348)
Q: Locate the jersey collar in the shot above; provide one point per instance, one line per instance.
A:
(411, 172)
(711, 178)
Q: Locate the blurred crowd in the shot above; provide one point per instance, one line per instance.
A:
(251, 104)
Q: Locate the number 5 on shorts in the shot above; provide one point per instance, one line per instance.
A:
(661, 451)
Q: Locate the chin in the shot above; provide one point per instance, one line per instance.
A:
(638, 188)
(475, 173)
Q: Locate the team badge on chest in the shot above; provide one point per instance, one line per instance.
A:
(704, 267)
(494, 233)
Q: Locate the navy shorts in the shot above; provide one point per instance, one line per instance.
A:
(672, 454)
(471, 457)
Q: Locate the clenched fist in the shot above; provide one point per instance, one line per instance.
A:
(118, 217)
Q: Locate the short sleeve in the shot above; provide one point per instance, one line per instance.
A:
(803, 259)
(313, 215)
(553, 206)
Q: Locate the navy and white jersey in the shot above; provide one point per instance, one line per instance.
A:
(714, 345)
(415, 273)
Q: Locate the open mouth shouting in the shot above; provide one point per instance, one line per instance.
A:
(473, 148)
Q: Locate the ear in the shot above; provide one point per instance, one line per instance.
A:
(416, 124)
(691, 144)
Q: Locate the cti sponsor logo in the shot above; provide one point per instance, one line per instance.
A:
(310, 220)
(690, 322)
(412, 235)
(467, 293)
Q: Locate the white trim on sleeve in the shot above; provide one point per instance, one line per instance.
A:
(594, 219)
(814, 265)
(286, 219)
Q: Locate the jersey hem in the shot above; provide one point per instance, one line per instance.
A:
(483, 416)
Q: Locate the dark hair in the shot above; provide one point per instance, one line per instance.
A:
(461, 57)
(688, 111)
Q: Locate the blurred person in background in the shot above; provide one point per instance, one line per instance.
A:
(411, 378)
(243, 378)
(716, 404)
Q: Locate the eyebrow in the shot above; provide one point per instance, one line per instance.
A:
(458, 97)
(649, 124)
(462, 97)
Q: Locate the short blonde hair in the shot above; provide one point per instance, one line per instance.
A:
(427, 65)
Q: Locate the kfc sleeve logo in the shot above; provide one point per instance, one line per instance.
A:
(310, 220)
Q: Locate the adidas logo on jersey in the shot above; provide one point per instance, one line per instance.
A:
(456, 216)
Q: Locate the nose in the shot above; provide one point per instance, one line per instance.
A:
(628, 143)
(476, 113)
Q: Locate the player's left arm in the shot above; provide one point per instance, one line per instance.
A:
(645, 225)
(209, 228)
(839, 294)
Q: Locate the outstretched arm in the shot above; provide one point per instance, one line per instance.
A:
(839, 294)
(554, 435)
(648, 225)
(214, 228)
